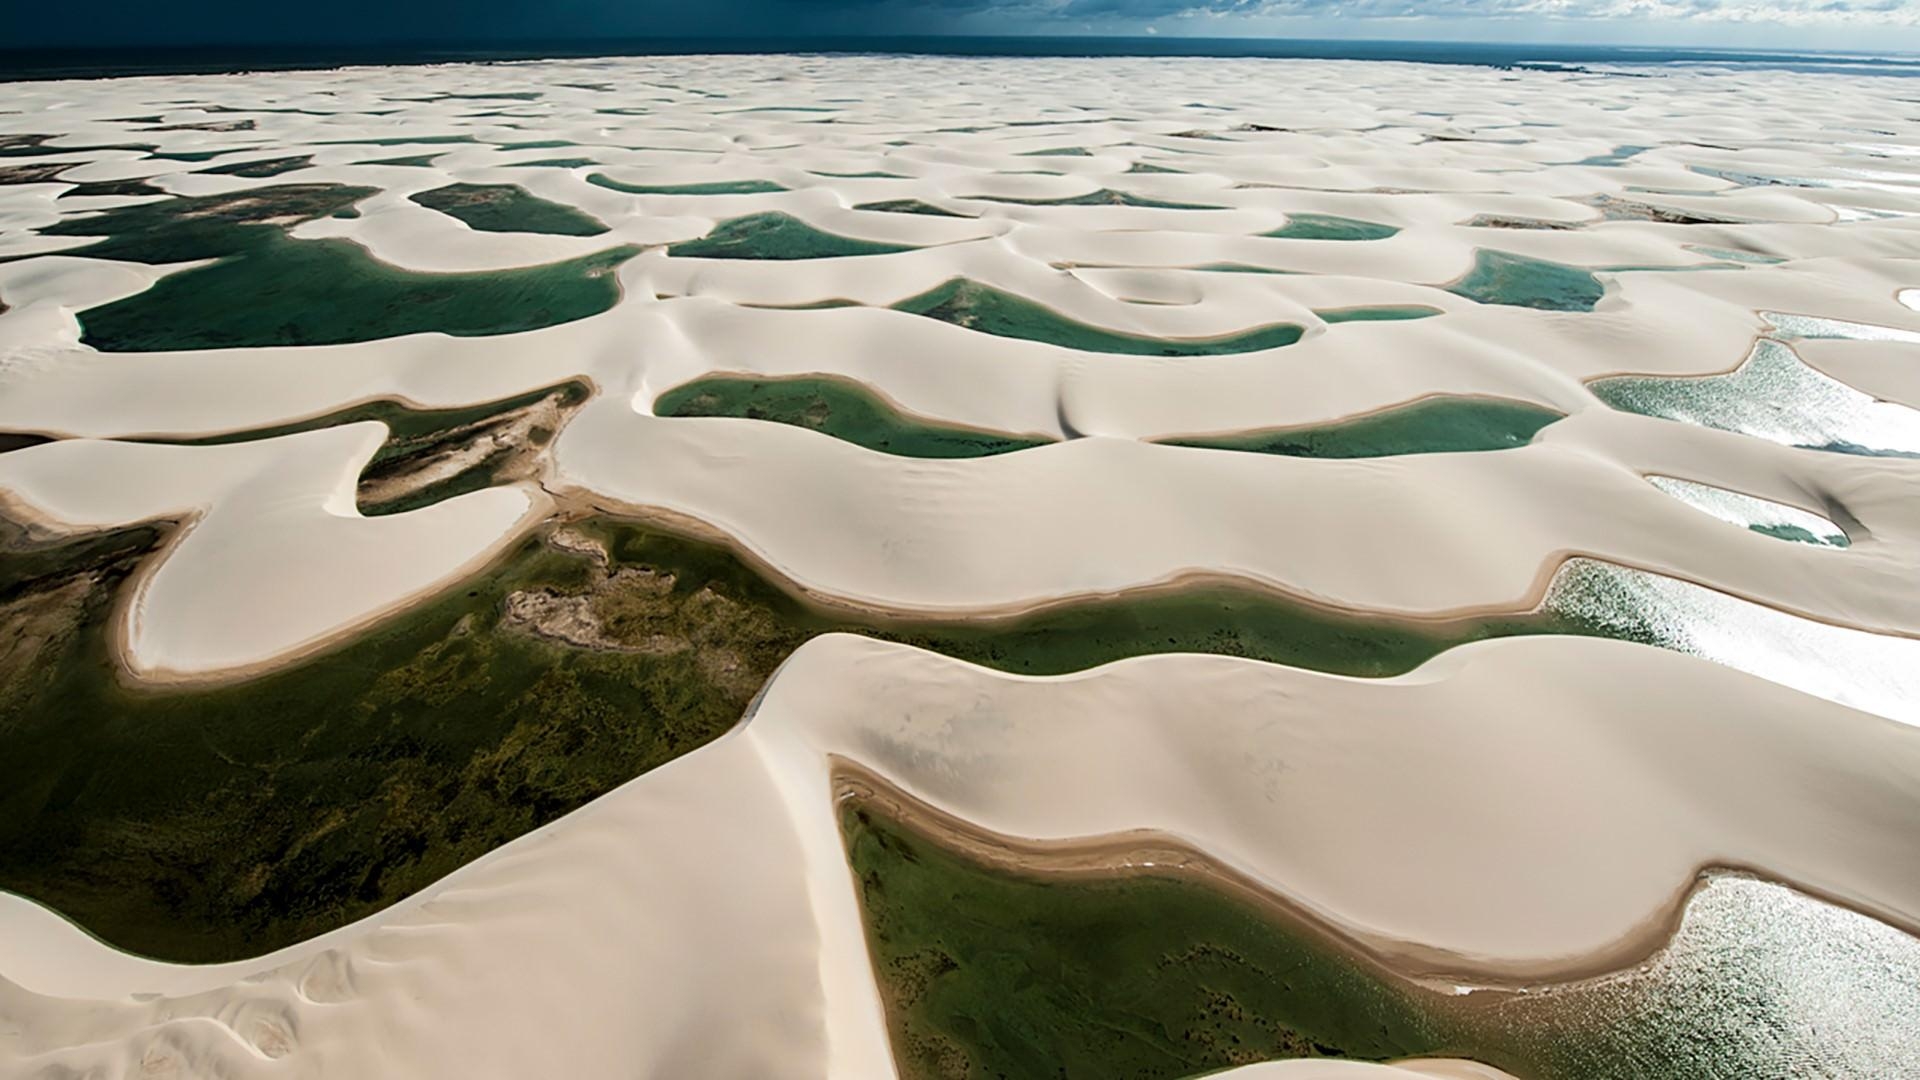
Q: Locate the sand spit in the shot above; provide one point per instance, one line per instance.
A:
(1512, 811)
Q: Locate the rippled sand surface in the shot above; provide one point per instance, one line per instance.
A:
(1601, 383)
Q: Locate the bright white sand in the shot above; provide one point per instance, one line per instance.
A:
(1514, 809)
(1443, 818)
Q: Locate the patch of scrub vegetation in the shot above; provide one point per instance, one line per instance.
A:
(1102, 197)
(266, 288)
(776, 235)
(992, 961)
(216, 822)
(718, 187)
(222, 822)
(908, 206)
(838, 407)
(1330, 227)
(970, 304)
(434, 454)
(1436, 425)
(992, 971)
(1382, 313)
(509, 208)
(1500, 277)
(266, 168)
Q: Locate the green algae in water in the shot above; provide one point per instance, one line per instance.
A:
(991, 971)
(908, 206)
(838, 407)
(220, 822)
(979, 307)
(719, 187)
(1436, 425)
(988, 972)
(509, 208)
(1388, 313)
(1500, 277)
(1330, 227)
(776, 236)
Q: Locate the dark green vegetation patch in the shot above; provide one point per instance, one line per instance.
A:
(988, 972)
(775, 235)
(838, 407)
(1432, 426)
(979, 307)
(1500, 277)
(220, 822)
(509, 208)
(267, 288)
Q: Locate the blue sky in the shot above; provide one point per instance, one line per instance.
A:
(1867, 25)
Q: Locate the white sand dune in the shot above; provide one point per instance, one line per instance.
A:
(1443, 819)
(1522, 809)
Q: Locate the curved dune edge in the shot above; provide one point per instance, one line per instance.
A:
(1510, 807)
(1430, 815)
(273, 560)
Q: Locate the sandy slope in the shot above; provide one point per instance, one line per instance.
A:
(703, 913)
(1514, 809)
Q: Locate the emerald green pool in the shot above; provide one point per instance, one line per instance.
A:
(980, 307)
(1435, 425)
(990, 971)
(1500, 277)
(266, 288)
(833, 406)
(993, 973)
(719, 187)
(776, 236)
(1330, 227)
(281, 291)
